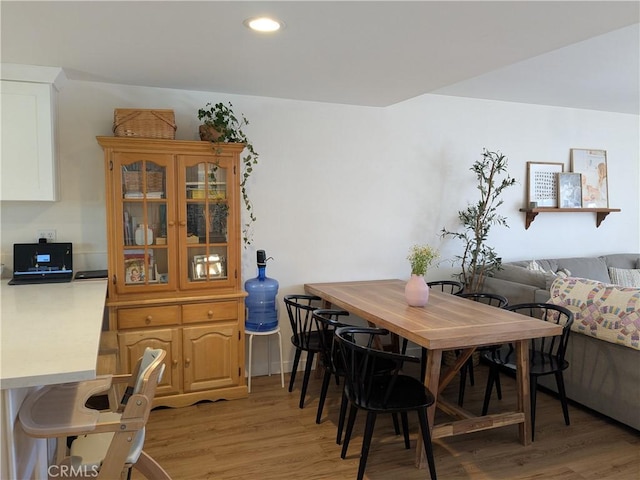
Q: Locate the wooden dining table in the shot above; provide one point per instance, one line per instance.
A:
(446, 322)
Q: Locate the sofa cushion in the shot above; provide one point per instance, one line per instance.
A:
(622, 260)
(607, 312)
(520, 274)
(625, 277)
(593, 268)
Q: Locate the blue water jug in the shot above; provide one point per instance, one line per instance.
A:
(262, 309)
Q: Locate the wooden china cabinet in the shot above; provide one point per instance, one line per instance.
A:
(173, 226)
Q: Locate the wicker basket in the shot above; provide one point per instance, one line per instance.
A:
(144, 123)
(133, 182)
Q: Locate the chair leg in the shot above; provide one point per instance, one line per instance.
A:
(366, 443)
(563, 396)
(250, 351)
(404, 346)
(498, 387)
(343, 414)
(396, 426)
(405, 428)
(296, 360)
(493, 372)
(281, 360)
(323, 393)
(472, 381)
(149, 468)
(426, 440)
(307, 375)
(347, 436)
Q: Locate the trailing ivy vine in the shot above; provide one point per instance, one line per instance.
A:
(227, 128)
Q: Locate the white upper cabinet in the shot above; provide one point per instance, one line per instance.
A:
(28, 163)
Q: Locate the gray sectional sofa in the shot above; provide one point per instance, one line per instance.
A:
(603, 376)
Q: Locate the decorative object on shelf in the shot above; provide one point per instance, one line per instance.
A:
(478, 259)
(569, 190)
(131, 122)
(207, 266)
(416, 290)
(141, 238)
(592, 164)
(542, 183)
(220, 125)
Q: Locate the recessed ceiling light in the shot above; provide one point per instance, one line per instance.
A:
(263, 24)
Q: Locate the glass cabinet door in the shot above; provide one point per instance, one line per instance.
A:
(205, 221)
(144, 232)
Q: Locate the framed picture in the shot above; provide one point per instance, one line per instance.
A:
(207, 266)
(139, 267)
(542, 183)
(592, 164)
(569, 190)
(134, 270)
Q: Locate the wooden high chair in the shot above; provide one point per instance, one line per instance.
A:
(108, 442)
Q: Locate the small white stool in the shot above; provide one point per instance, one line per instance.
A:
(251, 334)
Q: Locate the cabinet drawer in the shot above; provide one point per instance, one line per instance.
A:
(148, 316)
(208, 312)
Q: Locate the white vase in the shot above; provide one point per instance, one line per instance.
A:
(416, 291)
(140, 238)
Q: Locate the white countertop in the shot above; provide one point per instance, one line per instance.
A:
(50, 333)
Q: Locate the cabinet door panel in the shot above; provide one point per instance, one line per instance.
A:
(207, 219)
(133, 344)
(144, 236)
(29, 166)
(211, 356)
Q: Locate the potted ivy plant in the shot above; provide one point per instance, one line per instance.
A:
(479, 260)
(221, 125)
(416, 290)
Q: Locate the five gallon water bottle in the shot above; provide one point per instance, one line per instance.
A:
(262, 310)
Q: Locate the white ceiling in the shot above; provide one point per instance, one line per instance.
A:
(583, 54)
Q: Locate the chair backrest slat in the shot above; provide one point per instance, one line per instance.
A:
(545, 348)
(447, 286)
(368, 371)
(300, 310)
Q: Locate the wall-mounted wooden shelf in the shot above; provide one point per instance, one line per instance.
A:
(601, 213)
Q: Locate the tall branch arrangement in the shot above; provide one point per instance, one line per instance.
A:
(479, 260)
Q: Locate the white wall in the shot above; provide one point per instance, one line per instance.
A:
(342, 192)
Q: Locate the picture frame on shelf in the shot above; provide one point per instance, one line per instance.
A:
(207, 266)
(592, 165)
(139, 267)
(569, 190)
(135, 270)
(542, 183)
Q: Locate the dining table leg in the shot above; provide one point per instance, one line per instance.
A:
(431, 381)
(524, 393)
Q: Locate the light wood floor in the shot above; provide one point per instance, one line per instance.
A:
(267, 437)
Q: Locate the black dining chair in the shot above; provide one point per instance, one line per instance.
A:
(327, 321)
(494, 300)
(366, 389)
(546, 356)
(447, 286)
(305, 338)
